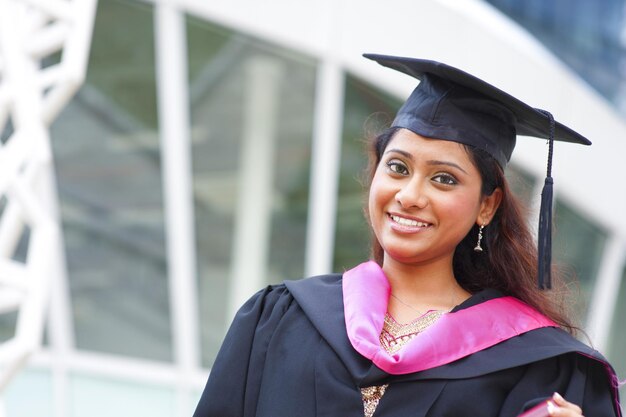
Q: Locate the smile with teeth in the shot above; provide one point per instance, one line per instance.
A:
(408, 222)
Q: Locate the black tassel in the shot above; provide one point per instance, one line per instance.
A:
(544, 243)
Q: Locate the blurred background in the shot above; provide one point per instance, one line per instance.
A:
(217, 147)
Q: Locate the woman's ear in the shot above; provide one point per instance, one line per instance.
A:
(489, 206)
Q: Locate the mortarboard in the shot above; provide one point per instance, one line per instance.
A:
(451, 104)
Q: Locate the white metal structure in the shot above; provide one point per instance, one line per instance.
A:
(335, 33)
(31, 96)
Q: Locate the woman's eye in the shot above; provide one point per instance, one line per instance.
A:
(446, 179)
(397, 167)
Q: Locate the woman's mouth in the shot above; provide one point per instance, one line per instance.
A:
(406, 224)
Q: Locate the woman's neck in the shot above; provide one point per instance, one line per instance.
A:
(418, 288)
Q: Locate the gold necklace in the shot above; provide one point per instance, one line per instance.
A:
(408, 305)
(421, 313)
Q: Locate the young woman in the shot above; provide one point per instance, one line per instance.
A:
(446, 320)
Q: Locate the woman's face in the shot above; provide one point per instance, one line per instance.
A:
(424, 198)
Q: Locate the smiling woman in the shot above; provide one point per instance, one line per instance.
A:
(449, 304)
(425, 196)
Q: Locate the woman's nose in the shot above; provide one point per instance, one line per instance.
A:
(412, 195)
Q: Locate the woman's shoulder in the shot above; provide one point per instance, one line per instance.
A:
(318, 283)
(318, 294)
(278, 297)
(545, 340)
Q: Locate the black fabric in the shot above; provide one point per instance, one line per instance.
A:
(287, 354)
(451, 104)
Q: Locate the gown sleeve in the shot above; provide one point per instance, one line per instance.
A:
(233, 385)
(581, 380)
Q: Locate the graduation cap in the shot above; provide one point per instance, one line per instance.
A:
(451, 104)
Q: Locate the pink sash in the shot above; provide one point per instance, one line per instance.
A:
(455, 335)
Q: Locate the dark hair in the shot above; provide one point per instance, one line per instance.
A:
(509, 262)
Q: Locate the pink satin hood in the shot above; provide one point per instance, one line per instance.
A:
(455, 335)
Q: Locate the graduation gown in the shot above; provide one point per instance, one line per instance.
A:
(288, 354)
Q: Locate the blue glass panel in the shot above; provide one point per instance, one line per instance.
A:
(106, 151)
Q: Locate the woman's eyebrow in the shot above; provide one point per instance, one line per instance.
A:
(450, 164)
(431, 162)
(401, 152)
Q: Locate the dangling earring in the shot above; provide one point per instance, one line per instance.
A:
(478, 248)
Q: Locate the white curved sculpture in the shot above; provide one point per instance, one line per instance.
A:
(32, 94)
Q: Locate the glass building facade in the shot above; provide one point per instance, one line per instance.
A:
(252, 104)
(589, 36)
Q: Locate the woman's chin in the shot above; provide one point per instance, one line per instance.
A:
(415, 257)
(403, 256)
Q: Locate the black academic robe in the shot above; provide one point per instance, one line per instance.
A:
(287, 354)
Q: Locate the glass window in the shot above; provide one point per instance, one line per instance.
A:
(521, 183)
(578, 244)
(8, 317)
(103, 397)
(27, 385)
(106, 150)
(587, 35)
(8, 323)
(617, 339)
(367, 112)
(251, 116)
(6, 130)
